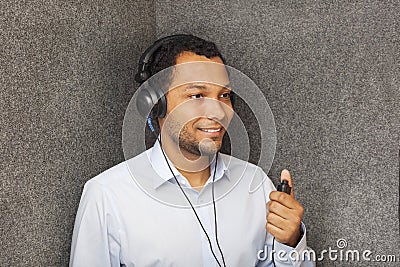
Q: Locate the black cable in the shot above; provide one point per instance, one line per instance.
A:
(195, 213)
(273, 252)
(215, 212)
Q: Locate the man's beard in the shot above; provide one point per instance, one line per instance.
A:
(188, 142)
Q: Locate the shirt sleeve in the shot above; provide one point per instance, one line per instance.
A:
(276, 254)
(94, 240)
(299, 256)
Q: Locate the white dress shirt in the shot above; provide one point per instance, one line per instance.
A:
(134, 214)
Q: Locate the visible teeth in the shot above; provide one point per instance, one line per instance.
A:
(211, 130)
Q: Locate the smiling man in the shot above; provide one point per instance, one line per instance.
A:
(182, 202)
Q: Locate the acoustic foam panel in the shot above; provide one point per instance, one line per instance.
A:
(330, 73)
(67, 71)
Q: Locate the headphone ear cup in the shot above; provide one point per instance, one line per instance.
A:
(151, 102)
(145, 102)
(162, 106)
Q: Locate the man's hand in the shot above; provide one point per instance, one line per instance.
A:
(284, 214)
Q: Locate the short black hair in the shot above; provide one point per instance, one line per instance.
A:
(166, 55)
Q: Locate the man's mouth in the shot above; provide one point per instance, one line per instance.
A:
(211, 130)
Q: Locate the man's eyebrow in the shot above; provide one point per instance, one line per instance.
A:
(203, 87)
(195, 86)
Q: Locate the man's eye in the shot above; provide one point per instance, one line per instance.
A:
(226, 95)
(196, 96)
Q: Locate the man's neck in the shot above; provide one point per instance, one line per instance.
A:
(195, 168)
(196, 179)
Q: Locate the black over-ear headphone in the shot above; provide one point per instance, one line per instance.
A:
(151, 101)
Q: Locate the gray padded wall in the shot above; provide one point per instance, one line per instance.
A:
(66, 78)
(330, 72)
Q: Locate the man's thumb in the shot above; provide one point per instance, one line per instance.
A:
(285, 175)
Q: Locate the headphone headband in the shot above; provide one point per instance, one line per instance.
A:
(143, 74)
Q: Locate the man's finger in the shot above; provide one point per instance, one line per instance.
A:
(276, 220)
(273, 230)
(285, 175)
(284, 199)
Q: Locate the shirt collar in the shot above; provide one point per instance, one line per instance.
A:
(158, 163)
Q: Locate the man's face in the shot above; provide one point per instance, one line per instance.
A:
(199, 108)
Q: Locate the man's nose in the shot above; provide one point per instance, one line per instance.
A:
(216, 110)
